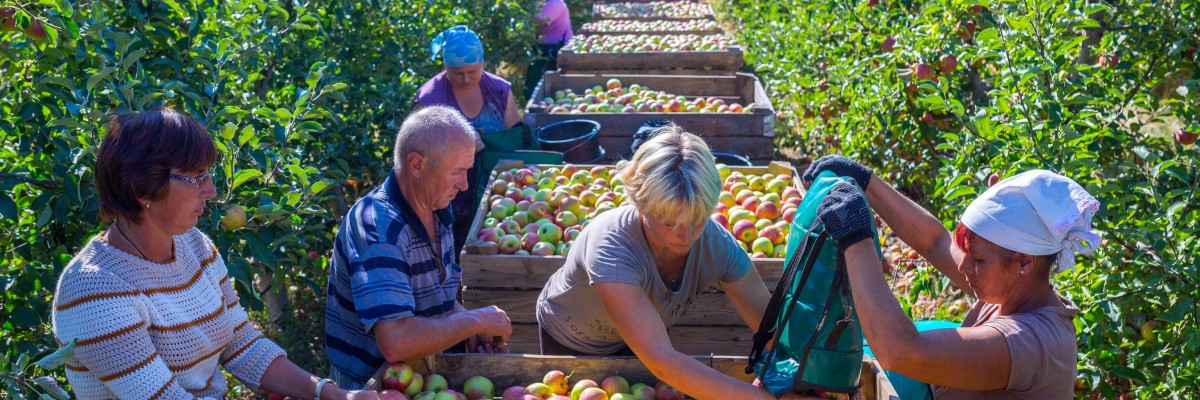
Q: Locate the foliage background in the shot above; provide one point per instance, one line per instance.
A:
(1091, 89)
(303, 98)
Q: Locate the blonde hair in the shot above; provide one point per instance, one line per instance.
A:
(672, 177)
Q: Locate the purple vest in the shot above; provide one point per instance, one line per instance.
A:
(437, 91)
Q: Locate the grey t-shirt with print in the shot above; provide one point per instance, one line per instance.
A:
(613, 249)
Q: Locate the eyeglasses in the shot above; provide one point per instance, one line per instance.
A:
(198, 181)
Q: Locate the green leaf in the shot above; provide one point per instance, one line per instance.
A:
(49, 385)
(318, 186)
(283, 114)
(300, 174)
(244, 175)
(960, 192)
(26, 317)
(309, 126)
(8, 208)
(99, 76)
(132, 58)
(57, 358)
(246, 135)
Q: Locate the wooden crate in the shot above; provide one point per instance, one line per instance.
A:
(749, 134)
(514, 282)
(729, 60)
(596, 15)
(507, 370)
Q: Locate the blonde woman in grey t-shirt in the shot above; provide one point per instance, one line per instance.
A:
(1018, 340)
(636, 269)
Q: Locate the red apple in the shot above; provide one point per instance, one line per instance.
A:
(948, 63)
(540, 390)
(773, 234)
(509, 244)
(397, 376)
(767, 210)
(593, 394)
(581, 386)
(888, 44)
(528, 240)
(721, 219)
(745, 231)
(513, 393)
(966, 30)
(557, 381)
(614, 384)
(1184, 137)
(663, 391)
(923, 71)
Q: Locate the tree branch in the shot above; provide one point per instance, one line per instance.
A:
(44, 184)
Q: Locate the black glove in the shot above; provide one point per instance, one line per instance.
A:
(841, 166)
(846, 216)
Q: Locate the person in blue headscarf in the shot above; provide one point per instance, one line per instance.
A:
(486, 100)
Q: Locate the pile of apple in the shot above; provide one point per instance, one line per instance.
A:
(638, 43)
(401, 382)
(533, 211)
(757, 210)
(654, 9)
(614, 98)
(632, 26)
(540, 212)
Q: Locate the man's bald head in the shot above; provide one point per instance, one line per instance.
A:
(432, 131)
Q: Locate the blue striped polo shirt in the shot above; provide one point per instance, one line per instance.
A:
(383, 269)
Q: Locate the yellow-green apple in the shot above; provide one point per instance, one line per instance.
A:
(545, 183)
(663, 391)
(723, 169)
(478, 387)
(784, 228)
(234, 218)
(780, 251)
(726, 198)
(527, 193)
(776, 186)
(436, 383)
(601, 182)
(613, 83)
(542, 249)
(521, 217)
(588, 198)
(528, 240)
(558, 196)
(542, 195)
(397, 376)
(767, 210)
(581, 177)
(741, 196)
(566, 218)
(513, 393)
(756, 183)
(549, 233)
(599, 171)
(570, 234)
(763, 224)
(771, 197)
(642, 392)
(739, 214)
(762, 245)
(614, 384)
(1148, 329)
(743, 230)
(490, 222)
(540, 390)
(499, 186)
(449, 395)
(563, 248)
(580, 386)
(593, 394)
(621, 396)
(559, 397)
(555, 379)
(414, 388)
(509, 244)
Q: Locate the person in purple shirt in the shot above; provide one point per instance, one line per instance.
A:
(554, 28)
(484, 98)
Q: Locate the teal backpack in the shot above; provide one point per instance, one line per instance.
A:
(811, 317)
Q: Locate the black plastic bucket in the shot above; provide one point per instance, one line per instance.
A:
(732, 160)
(577, 139)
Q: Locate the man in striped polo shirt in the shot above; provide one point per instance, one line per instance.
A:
(393, 278)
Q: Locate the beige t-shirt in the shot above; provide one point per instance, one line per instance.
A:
(613, 249)
(1042, 346)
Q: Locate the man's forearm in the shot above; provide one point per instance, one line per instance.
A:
(419, 336)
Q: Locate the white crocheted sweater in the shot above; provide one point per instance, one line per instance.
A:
(146, 330)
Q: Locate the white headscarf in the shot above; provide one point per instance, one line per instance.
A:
(1037, 212)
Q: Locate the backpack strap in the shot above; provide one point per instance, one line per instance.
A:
(841, 285)
(767, 330)
(820, 326)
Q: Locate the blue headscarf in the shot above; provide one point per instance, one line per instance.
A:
(460, 46)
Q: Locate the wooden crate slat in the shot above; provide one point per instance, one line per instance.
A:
(730, 59)
(708, 308)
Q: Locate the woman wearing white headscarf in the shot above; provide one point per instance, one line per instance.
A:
(1018, 339)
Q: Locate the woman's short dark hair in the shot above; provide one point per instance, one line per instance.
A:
(137, 155)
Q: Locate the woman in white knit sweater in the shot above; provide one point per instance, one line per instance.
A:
(148, 301)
